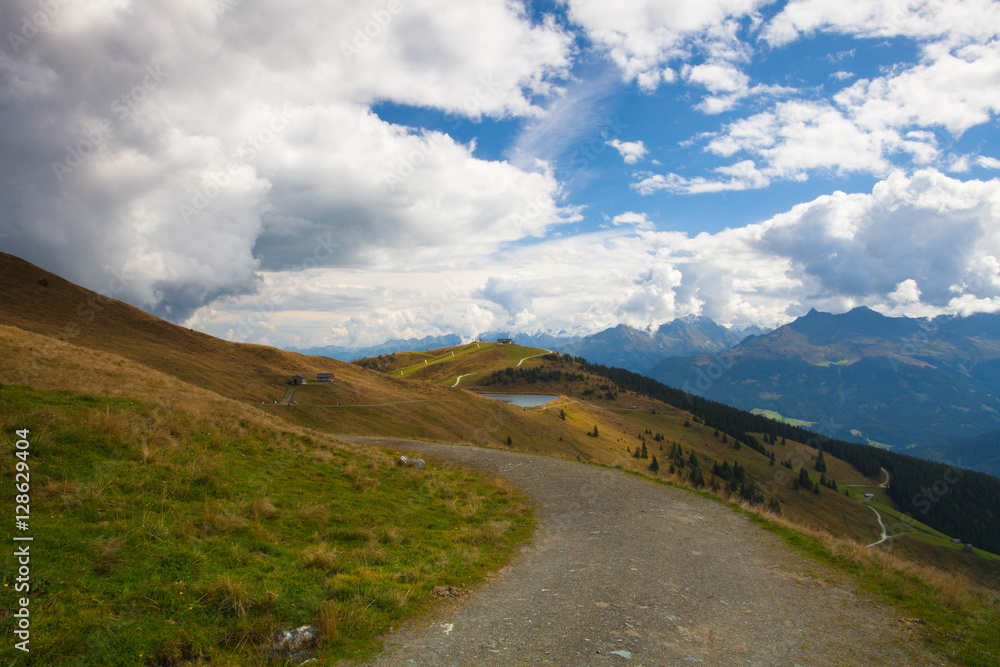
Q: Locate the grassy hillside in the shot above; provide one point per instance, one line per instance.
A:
(162, 448)
(174, 525)
(164, 535)
(447, 365)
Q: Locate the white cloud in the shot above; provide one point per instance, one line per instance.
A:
(741, 176)
(927, 228)
(916, 245)
(957, 20)
(182, 100)
(906, 292)
(951, 90)
(631, 151)
(644, 37)
(988, 162)
(632, 218)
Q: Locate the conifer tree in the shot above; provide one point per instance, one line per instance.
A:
(654, 467)
(820, 463)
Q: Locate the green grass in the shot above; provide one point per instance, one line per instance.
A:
(161, 538)
(771, 414)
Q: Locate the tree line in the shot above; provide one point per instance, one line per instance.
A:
(959, 502)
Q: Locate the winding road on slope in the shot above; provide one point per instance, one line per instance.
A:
(624, 571)
(459, 378)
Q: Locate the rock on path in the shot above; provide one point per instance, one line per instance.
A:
(620, 566)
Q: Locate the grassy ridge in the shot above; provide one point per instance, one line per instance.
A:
(163, 535)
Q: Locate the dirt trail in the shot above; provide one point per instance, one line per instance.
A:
(622, 571)
(288, 396)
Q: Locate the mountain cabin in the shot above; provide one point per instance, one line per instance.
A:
(299, 379)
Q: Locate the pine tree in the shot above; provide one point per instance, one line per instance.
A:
(654, 467)
(509, 441)
(771, 461)
(804, 478)
(562, 414)
(645, 454)
(820, 463)
(687, 422)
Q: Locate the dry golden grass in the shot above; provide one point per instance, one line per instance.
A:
(215, 520)
(107, 553)
(61, 489)
(230, 596)
(311, 511)
(320, 556)
(372, 554)
(263, 508)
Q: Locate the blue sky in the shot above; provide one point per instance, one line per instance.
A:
(341, 173)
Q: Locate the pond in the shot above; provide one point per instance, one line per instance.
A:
(523, 400)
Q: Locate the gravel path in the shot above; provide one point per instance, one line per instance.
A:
(622, 571)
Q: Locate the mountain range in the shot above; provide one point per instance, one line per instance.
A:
(629, 348)
(621, 346)
(904, 382)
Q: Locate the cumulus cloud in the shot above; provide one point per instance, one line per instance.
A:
(188, 146)
(928, 230)
(631, 151)
(639, 220)
(872, 125)
(957, 20)
(915, 245)
(644, 37)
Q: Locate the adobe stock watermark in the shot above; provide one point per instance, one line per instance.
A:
(705, 376)
(912, 345)
(97, 136)
(244, 154)
(801, 456)
(588, 152)
(86, 312)
(472, 103)
(35, 23)
(222, 7)
(925, 499)
(363, 35)
(323, 249)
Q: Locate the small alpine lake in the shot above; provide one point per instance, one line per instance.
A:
(523, 400)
